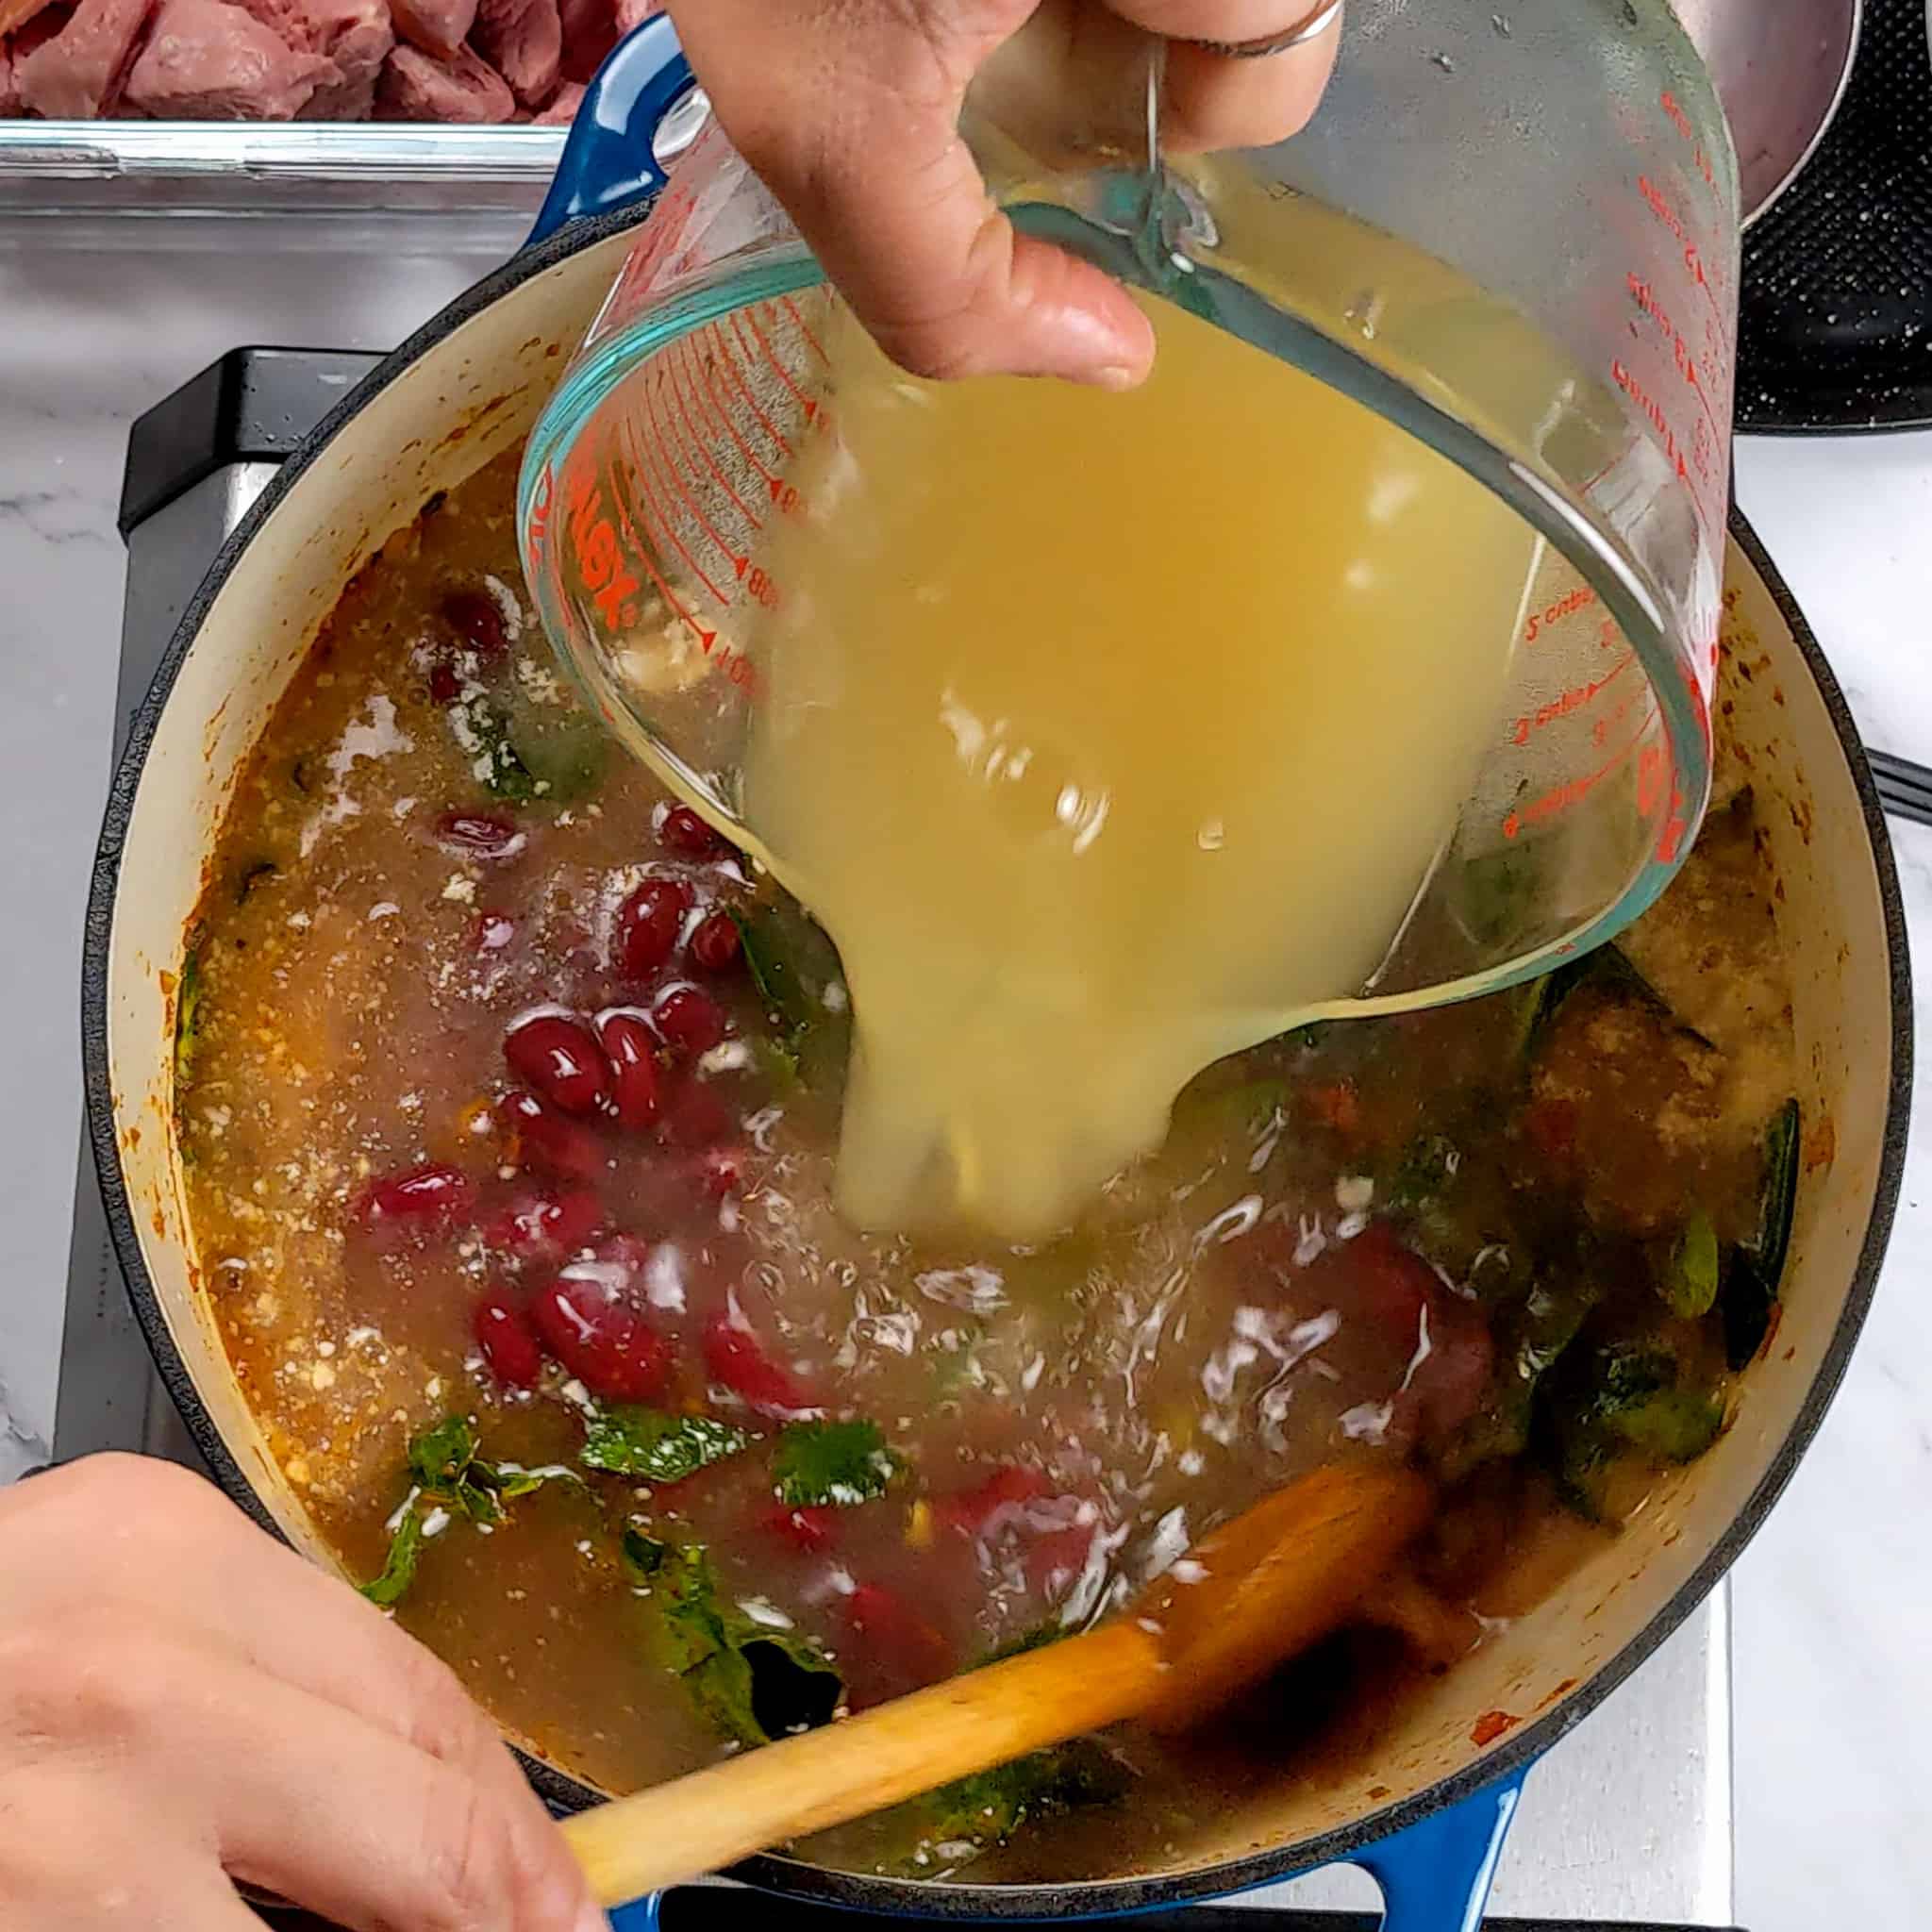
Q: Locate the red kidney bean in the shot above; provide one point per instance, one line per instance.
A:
(683, 831)
(561, 1059)
(477, 835)
(631, 1048)
(602, 1341)
(430, 1196)
(545, 1141)
(445, 687)
(476, 617)
(648, 924)
(508, 1343)
(716, 945)
(548, 1225)
(690, 1019)
(735, 1357)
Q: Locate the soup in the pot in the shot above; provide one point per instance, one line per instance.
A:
(507, 1101)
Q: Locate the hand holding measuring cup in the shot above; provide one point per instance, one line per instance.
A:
(849, 110)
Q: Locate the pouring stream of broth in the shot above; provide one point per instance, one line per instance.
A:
(1108, 735)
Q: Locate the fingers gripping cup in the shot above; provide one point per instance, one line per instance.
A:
(1405, 562)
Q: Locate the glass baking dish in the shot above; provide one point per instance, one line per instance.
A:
(252, 168)
(175, 167)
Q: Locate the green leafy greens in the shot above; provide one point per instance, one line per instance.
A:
(1751, 1285)
(794, 966)
(659, 1448)
(483, 730)
(446, 1474)
(1690, 1283)
(187, 1017)
(399, 1568)
(821, 1463)
(750, 1679)
(988, 1807)
(1629, 1398)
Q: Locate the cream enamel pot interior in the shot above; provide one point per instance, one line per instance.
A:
(468, 386)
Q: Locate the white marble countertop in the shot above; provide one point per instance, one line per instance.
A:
(1833, 1689)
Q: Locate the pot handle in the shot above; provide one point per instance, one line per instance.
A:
(1435, 1873)
(610, 161)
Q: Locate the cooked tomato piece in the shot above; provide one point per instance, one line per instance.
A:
(736, 1358)
(895, 1648)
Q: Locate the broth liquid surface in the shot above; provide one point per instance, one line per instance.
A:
(1108, 735)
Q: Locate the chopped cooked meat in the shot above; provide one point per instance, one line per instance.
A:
(82, 69)
(355, 34)
(14, 14)
(590, 32)
(206, 61)
(633, 13)
(414, 87)
(347, 100)
(524, 40)
(438, 27)
(562, 110)
(9, 93)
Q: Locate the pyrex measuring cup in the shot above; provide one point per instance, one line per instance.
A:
(1513, 235)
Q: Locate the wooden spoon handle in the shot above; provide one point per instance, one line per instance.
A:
(714, 1816)
(1259, 1590)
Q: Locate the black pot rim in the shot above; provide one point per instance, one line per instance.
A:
(1089, 1898)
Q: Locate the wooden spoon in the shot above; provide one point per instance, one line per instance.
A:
(1263, 1589)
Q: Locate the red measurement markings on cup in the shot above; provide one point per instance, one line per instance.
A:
(1612, 719)
(1674, 114)
(706, 434)
(1696, 458)
(604, 567)
(1573, 792)
(718, 410)
(1566, 703)
(1692, 326)
(736, 666)
(666, 251)
(538, 523)
(1656, 774)
(1541, 622)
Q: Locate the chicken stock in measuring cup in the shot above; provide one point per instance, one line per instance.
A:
(1360, 660)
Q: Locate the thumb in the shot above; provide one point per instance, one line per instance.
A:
(857, 133)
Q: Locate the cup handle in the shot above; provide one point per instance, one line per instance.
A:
(608, 161)
(1435, 1875)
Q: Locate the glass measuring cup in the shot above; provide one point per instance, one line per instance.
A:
(1513, 238)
